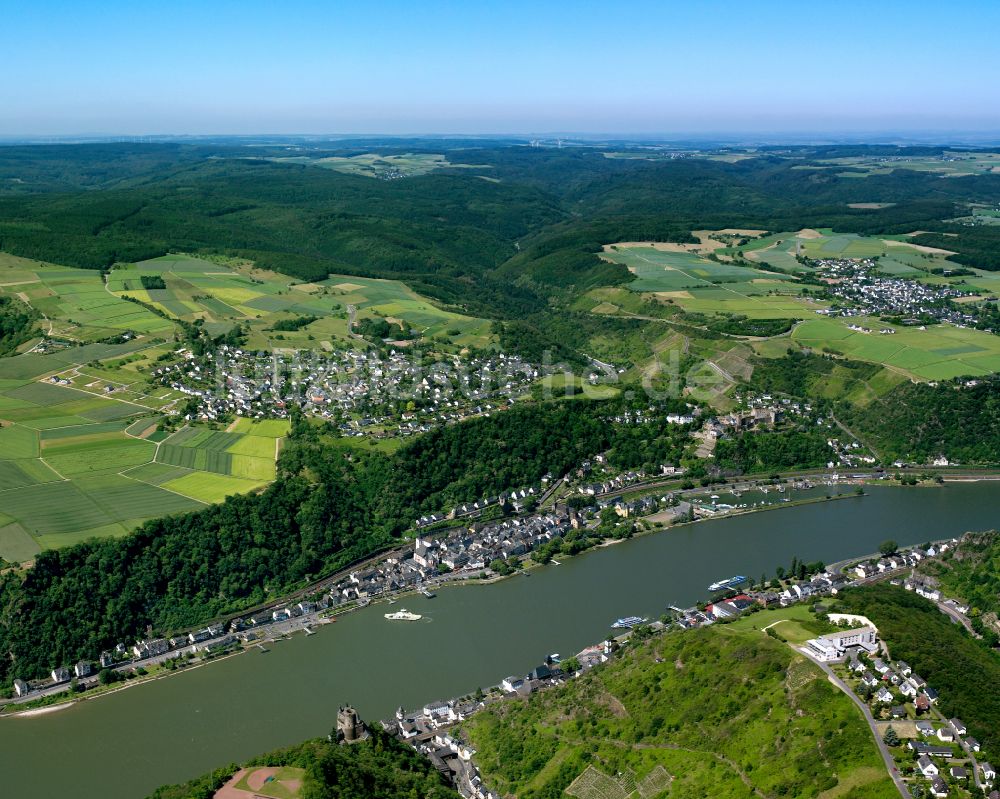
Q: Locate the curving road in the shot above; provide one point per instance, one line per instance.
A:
(890, 763)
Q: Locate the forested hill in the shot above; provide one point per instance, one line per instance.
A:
(504, 231)
(915, 422)
(720, 712)
(971, 572)
(329, 507)
(919, 422)
(379, 766)
(17, 324)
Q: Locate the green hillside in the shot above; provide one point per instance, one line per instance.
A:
(962, 669)
(379, 766)
(716, 712)
(970, 573)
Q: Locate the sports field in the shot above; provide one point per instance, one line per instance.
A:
(275, 782)
(222, 294)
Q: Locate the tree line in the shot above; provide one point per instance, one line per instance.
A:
(329, 507)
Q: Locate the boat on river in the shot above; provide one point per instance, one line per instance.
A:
(731, 582)
(403, 615)
(628, 622)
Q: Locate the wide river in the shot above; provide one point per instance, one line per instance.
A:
(123, 745)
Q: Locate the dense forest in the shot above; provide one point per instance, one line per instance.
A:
(328, 508)
(909, 421)
(918, 422)
(17, 324)
(504, 247)
(961, 669)
(379, 766)
(773, 451)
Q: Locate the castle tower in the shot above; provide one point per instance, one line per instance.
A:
(349, 725)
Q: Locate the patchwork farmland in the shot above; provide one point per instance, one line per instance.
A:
(75, 302)
(700, 285)
(78, 461)
(233, 292)
(770, 287)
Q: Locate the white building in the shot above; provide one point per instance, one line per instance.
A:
(834, 646)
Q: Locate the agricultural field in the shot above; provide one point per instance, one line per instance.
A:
(224, 294)
(688, 279)
(948, 164)
(374, 165)
(275, 782)
(75, 302)
(78, 462)
(939, 352)
(700, 285)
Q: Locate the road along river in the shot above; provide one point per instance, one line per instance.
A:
(123, 745)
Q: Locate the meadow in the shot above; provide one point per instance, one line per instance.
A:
(948, 164)
(376, 165)
(939, 352)
(74, 301)
(223, 294)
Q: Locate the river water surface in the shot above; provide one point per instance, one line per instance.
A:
(124, 745)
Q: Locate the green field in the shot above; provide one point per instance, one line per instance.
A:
(697, 284)
(938, 352)
(208, 487)
(376, 165)
(224, 294)
(79, 452)
(73, 464)
(75, 300)
(282, 784)
(700, 285)
(948, 164)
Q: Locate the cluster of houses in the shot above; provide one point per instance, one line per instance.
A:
(759, 411)
(427, 728)
(893, 685)
(868, 293)
(795, 591)
(904, 559)
(620, 481)
(642, 416)
(893, 688)
(209, 639)
(468, 550)
(515, 500)
(356, 388)
(849, 453)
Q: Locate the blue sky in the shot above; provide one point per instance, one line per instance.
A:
(666, 67)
